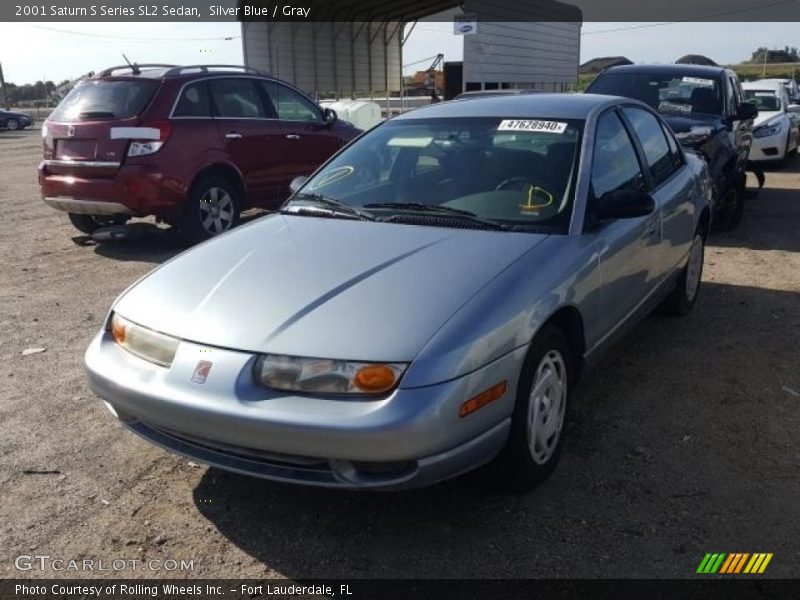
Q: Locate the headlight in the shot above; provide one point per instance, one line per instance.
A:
(696, 135)
(144, 343)
(767, 129)
(144, 148)
(316, 375)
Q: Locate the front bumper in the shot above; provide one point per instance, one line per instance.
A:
(412, 437)
(768, 148)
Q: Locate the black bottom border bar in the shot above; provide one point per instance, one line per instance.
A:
(743, 588)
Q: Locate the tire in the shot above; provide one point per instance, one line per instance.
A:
(687, 288)
(88, 224)
(212, 208)
(730, 215)
(12, 124)
(522, 464)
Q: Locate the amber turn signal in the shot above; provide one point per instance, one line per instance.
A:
(375, 378)
(118, 330)
(485, 397)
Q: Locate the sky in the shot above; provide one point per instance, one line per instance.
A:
(58, 51)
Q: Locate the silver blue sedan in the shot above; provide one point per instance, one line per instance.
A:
(422, 305)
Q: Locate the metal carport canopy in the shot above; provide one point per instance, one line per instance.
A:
(355, 46)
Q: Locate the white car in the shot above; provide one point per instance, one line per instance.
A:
(776, 130)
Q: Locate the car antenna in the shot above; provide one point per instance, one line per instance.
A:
(134, 67)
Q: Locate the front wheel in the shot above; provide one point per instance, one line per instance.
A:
(12, 124)
(687, 288)
(534, 442)
(88, 224)
(730, 214)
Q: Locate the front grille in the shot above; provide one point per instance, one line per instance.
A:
(272, 458)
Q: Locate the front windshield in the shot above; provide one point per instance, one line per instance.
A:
(669, 94)
(765, 100)
(515, 173)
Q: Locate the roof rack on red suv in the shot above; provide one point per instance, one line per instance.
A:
(134, 68)
(176, 71)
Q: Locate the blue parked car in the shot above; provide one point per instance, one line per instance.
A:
(423, 304)
(14, 121)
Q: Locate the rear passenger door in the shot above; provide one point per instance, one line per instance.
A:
(671, 188)
(250, 133)
(308, 140)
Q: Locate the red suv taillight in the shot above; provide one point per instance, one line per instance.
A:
(153, 137)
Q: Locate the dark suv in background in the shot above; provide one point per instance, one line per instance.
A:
(193, 146)
(705, 108)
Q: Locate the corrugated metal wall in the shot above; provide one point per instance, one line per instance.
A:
(327, 57)
(539, 55)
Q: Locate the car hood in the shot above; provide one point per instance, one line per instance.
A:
(764, 116)
(332, 288)
(684, 123)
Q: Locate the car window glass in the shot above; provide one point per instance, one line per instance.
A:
(236, 98)
(105, 99)
(615, 165)
(194, 101)
(669, 94)
(674, 148)
(654, 144)
(765, 100)
(290, 105)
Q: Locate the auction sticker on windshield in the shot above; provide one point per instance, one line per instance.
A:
(698, 81)
(525, 125)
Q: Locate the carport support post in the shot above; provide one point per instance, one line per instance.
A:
(3, 87)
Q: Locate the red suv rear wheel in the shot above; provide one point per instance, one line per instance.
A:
(212, 208)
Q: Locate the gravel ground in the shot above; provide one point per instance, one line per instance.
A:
(683, 441)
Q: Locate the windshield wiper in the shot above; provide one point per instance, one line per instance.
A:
(335, 207)
(444, 210)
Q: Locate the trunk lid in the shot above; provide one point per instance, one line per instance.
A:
(85, 135)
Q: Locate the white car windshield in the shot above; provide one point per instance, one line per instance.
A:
(765, 100)
(515, 173)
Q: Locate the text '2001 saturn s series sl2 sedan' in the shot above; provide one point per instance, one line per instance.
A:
(422, 305)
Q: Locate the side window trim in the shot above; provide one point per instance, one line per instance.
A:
(644, 166)
(651, 187)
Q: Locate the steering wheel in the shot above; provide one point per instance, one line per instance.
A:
(538, 195)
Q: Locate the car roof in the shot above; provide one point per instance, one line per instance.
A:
(551, 106)
(690, 70)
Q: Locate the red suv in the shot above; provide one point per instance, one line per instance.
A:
(193, 146)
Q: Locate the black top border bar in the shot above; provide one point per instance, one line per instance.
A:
(587, 11)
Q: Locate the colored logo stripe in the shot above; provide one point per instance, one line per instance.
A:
(734, 563)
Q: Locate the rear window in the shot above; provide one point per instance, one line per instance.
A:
(105, 99)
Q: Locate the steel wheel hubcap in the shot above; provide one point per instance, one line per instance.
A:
(546, 406)
(12, 125)
(216, 211)
(694, 268)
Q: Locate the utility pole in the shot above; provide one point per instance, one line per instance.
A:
(3, 88)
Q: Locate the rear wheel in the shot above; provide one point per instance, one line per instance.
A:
(88, 224)
(12, 124)
(687, 288)
(213, 208)
(534, 442)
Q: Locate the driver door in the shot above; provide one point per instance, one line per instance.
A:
(627, 249)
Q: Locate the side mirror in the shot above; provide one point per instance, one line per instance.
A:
(747, 111)
(624, 204)
(297, 183)
(329, 116)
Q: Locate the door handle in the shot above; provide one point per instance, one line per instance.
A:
(292, 136)
(651, 228)
(233, 135)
